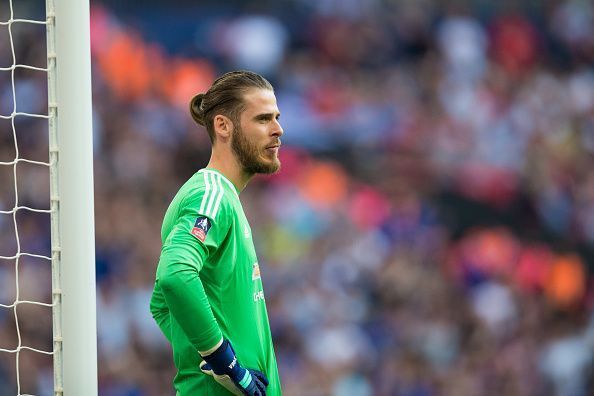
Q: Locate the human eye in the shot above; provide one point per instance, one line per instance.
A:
(264, 118)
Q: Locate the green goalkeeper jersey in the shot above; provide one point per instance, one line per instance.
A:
(208, 285)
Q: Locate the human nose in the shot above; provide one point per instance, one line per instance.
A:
(277, 129)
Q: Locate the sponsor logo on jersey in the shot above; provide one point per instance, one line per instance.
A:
(255, 271)
(201, 227)
(259, 296)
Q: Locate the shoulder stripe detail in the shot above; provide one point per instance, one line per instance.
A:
(212, 196)
(215, 209)
(206, 194)
(231, 186)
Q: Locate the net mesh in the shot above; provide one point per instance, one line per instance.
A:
(26, 300)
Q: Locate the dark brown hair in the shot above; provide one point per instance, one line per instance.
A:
(225, 96)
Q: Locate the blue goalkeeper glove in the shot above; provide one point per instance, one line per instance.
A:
(222, 364)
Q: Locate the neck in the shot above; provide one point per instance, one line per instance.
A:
(230, 167)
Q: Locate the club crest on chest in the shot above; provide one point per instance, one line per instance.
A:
(255, 271)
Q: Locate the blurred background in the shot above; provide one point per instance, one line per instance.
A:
(431, 231)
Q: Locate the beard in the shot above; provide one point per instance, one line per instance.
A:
(250, 156)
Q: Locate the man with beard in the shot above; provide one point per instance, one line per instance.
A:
(208, 298)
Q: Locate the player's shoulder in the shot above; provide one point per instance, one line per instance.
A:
(209, 193)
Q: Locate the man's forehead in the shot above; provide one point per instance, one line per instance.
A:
(260, 100)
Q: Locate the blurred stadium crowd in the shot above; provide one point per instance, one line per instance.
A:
(431, 231)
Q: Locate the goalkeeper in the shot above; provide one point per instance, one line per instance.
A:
(208, 298)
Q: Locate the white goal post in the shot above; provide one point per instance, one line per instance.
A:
(72, 257)
(72, 204)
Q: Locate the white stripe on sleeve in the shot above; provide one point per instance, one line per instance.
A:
(219, 197)
(212, 197)
(206, 194)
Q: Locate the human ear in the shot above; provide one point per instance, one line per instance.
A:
(222, 126)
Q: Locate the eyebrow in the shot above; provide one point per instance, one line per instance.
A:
(266, 116)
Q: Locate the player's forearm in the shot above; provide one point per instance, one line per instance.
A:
(184, 294)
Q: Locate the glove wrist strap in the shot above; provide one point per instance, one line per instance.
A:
(224, 361)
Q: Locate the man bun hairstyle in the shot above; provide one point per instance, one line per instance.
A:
(225, 96)
(196, 109)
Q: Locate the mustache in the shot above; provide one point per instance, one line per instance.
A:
(276, 143)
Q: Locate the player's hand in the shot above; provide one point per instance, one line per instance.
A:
(222, 364)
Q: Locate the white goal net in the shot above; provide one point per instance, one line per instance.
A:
(47, 294)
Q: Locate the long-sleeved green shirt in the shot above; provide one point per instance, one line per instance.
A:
(208, 285)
